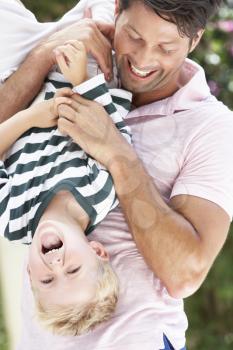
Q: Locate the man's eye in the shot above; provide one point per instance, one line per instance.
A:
(49, 280)
(166, 51)
(132, 37)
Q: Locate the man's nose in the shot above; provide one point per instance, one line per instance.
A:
(146, 59)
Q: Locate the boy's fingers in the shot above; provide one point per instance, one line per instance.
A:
(68, 52)
(87, 13)
(61, 61)
(64, 92)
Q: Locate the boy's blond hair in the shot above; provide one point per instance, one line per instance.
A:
(75, 320)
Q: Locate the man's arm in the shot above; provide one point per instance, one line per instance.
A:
(179, 240)
(20, 89)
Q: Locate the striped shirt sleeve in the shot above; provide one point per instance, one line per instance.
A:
(3, 175)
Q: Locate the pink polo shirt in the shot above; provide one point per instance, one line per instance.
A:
(186, 145)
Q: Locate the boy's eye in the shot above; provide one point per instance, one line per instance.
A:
(49, 280)
(74, 270)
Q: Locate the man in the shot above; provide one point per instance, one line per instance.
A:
(176, 190)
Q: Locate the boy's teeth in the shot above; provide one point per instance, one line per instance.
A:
(139, 72)
(53, 250)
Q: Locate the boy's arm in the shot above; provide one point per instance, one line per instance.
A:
(12, 129)
(41, 115)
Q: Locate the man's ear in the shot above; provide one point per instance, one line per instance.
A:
(117, 6)
(196, 40)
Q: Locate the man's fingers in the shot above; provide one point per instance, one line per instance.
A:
(66, 111)
(78, 45)
(105, 61)
(80, 100)
(106, 29)
(61, 100)
(101, 50)
(65, 126)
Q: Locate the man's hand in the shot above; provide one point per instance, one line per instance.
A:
(88, 124)
(96, 38)
(72, 61)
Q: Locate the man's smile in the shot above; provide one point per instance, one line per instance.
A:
(139, 73)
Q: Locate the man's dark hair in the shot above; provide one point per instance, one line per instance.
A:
(190, 16)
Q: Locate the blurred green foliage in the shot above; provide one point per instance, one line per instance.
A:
(46, 11)
(210, 309)
(215, 54)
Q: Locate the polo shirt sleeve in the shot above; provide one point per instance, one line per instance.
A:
(5, 188)
(207, 171)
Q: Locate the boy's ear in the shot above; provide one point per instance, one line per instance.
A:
(117, 7)
(99, 250)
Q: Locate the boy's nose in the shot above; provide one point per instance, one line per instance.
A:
(56, 261)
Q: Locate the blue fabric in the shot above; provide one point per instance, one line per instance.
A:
(168, 345)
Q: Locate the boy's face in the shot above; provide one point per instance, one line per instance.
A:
(149, 50)
(63, 265)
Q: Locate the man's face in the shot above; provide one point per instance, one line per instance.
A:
(63, 265)
(149, 50)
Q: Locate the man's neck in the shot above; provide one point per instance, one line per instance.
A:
(145, 98)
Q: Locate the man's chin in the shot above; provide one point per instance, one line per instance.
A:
(136, 87)
(136, 90)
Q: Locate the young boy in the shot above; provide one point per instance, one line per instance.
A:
(53, 194)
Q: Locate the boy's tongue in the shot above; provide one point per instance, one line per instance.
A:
(50, 241)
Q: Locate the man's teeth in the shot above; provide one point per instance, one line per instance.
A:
(139, 72)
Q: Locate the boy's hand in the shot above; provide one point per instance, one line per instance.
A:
(45, 114)
(72, 61)
(96, 37)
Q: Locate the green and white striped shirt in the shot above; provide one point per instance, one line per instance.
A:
(43, 161)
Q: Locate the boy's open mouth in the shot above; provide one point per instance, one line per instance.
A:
(50, 243)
